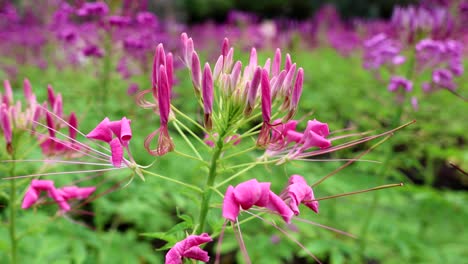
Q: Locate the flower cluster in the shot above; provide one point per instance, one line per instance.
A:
(291, 144)
(61, 195)
(444, 58)
(381, 50)
(253, 193)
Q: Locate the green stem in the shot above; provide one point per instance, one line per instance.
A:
(210, 182)
(12, 202)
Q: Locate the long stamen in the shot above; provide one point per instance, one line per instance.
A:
(57, 173)
(325, 227)
(335, 160)
(77, 149)
(72, 140)
(69, 125)
(357, 192)
(241, 242)
(351, 161)
(354, 142)
(60, 161)
(220, 241)
(287, 235)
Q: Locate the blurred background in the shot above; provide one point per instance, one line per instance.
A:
(99, 58)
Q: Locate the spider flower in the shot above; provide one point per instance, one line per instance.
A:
(398, 83)
(297, 192)
(253, 193)
(189, 248)
(106, 130)
(60, 196)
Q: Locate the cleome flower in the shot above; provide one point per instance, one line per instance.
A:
(247, 194)
(189, 248)
(61, 196)
(105, 131)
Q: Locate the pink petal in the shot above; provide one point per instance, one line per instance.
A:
(50, 95)
(197, 254)
(117, 152)
(121, 130)
(196, 71)
(42, 185)
(73, 125)
(277, 205)
(276, 63)
(230, 206)
(315, 140)
(207, 89)
(6, 125)
(248, 193)
(101, 131)
(30, 198)
(164, 100)
(85, 192)
(188, 248)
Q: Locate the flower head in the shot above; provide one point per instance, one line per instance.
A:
(249, 193)
(60, 196)
(297, 192)
(189, 248)
(106, 130)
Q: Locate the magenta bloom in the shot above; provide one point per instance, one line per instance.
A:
(189, 248)
(315, 135)
(284, 134)
(105, 130)
(443, 78)
(400, 83)
(93, 9)
(297, 192)
(250, 193)
(60, 196)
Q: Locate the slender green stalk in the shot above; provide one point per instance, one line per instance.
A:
(210, 182)
(236, 175)
(192, 133)
(12, 204)
(180, 113)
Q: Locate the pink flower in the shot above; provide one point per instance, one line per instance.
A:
(105, 130)
(398, 82)
(247, 194)
(297, 192)
(189, 248)
(60, 196)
